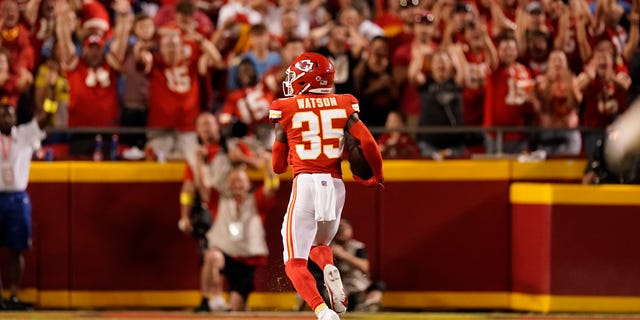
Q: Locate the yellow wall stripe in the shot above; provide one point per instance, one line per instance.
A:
(411, 170)
(395, 170)
(49, 172)
(284, 301)
(574, 194)
(557, 303)
(287, 301)
(550, 169)
(126, 172)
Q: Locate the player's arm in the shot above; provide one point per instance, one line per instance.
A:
(280, 151)
(369, 148)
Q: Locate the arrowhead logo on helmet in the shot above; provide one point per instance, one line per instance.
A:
(309, 73)
(304, 65)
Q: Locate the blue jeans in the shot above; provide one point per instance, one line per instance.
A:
(15, 220)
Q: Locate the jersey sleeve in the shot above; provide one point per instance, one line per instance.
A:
(352, 105)
(275, 111)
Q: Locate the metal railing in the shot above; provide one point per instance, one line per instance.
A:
(498, 131)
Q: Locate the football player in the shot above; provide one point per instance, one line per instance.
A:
(310, 127)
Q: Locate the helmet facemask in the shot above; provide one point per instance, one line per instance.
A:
(287, 84)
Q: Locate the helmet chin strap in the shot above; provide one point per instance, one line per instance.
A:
(305, 89)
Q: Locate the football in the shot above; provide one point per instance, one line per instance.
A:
(357, 162)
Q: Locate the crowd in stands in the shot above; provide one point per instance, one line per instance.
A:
(557, 64)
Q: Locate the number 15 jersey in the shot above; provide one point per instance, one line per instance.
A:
(314, 125)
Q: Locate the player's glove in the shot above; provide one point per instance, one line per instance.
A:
(371, 182)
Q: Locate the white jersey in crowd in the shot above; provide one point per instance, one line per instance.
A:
(16, 151)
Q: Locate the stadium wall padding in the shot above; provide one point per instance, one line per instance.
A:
(453, 234)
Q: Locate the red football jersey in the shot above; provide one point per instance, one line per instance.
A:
(93, 95)
(314, 125)
(249, 105)
(506, 103)
(603, 102)
(174, 96)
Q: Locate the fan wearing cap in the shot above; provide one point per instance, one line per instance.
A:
(93, 16)
(92, 74)
(174, 95)
(422, 46)
(15, 38)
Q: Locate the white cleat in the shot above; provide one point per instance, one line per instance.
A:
(327, 314)
(218, 304)
(333, 282)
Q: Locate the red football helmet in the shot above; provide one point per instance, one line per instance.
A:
(310, 72)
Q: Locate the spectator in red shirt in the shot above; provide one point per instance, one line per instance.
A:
(509, 97)
(604, 82)
(15, 38)
(250, 103)
(39, 16)
(174, 97)
(478, 56)
(92, 77)
(9, 91)
(423, 46)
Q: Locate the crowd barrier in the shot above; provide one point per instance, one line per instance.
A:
(459, 234)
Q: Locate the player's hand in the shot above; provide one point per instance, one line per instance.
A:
(184, 224)
(371, 182)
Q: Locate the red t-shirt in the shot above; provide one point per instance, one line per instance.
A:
(19, 46)
(603, 102)
(174, 94)
(506, 103)
(315, 130)
(9, 93)
(249, 105)
(93, 95)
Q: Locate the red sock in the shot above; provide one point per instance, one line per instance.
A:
(303, 281)
(321, 255)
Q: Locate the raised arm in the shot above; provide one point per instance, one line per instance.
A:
(634, 33)
(582, 23)
(122, 29)
(31, 12)
(563, 28)
(459, 63)
(211, 56)
(64, 32)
